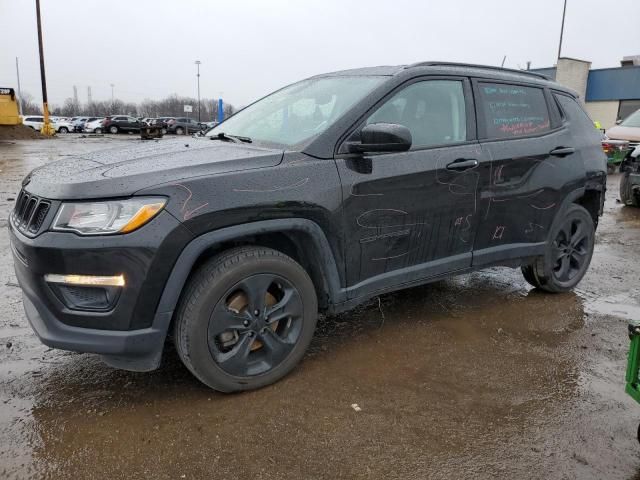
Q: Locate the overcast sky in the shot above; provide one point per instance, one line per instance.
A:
(249, 48)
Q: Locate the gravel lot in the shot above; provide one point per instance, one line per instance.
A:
(474, 377)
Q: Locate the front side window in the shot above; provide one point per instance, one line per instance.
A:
(513, 110)
(299, 112)
(433, 110)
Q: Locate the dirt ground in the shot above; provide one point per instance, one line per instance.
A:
(18, 132)
(479, 376)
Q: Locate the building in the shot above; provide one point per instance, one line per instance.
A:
(609, 94)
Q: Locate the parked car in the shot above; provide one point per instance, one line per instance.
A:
(94, 126)
(184, 125)
(628, 129)
(78, 123)
(62, 125)
(162, 121)
(33, 121)
(318, 197)
(630, 179)
(121, 123)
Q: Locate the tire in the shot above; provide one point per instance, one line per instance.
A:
(63, 130)
(567, 254)
(113, 129)
(179, 130)
(98, 130)
(221, 304)
(164, 131)
(626, 194)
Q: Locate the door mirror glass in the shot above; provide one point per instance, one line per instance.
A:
(383, 137)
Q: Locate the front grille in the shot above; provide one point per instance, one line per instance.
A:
(633, 145)
(30, 213)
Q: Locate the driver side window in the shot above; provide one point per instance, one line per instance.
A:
(433, 110)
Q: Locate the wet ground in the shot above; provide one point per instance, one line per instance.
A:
(474, 377)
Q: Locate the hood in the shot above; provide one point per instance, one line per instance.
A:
(624, 133)
(122, 171)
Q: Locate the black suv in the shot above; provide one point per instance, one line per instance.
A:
(184, 125)
(122, 123)
(318, 197)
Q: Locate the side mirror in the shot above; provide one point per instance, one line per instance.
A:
(383, 137)
(618, 122)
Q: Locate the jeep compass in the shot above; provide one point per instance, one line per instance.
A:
(316, 198)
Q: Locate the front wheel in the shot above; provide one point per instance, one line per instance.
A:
(179, 131)
(245, 319)
(567, 254)
(113, 129)
(98, 130)
(63, 130)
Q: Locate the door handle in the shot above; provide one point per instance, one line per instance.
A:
(462, 164)
(562, 151)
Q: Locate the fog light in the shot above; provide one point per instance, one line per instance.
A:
(89, 280)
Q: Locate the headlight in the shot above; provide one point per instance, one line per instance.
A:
(103, 218)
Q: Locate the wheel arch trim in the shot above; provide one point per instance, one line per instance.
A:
(190, 254)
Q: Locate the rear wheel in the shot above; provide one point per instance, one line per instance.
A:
(113, 129)
(245, 319)
(97, 130)
(626, 194)
(63, 130)
(179, 131)
(568, 252)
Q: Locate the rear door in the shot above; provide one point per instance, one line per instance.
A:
(529, 156)
(413, 215)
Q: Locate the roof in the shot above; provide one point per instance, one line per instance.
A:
(450, 68)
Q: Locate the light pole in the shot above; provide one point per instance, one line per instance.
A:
(198, 62)
(564, 11)
(47, 128)
(19, 91)
(112, 85)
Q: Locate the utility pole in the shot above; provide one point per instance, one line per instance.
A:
(47, 128)
(112, 85)
(564, 12)
(19, 91)
(198, 62)
(89, 95)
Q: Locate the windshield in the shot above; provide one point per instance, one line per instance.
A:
(632, 120)
(298, 112)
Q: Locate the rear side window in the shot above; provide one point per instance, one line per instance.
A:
(580, 122)
(513, 110)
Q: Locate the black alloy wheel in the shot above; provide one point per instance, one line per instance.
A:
(254, 327)
(245, 318)
(567, 254)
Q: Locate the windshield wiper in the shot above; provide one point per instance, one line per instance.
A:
(231, 138)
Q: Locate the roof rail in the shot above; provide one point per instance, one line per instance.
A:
(485, 67)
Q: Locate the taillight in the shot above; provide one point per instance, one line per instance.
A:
(607, 147)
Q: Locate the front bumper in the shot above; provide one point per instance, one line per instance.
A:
(131, 333)
(137, 350)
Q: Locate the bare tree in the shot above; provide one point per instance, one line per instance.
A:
(29, 106)
(171, 106)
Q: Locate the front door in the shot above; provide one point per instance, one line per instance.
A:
(413, 215)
